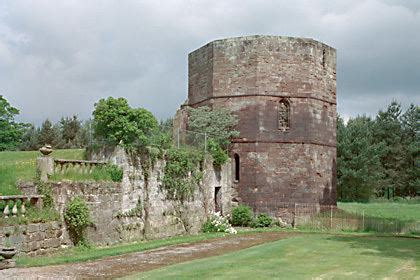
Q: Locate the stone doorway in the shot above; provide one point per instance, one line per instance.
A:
(218, 199)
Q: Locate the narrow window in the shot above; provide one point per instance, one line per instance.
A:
(237, 167)
(323, 58)
(218, 199)
(284, 115)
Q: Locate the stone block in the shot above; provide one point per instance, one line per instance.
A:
(55, 225)
(51, 243)
(5, 264)
(32, 228)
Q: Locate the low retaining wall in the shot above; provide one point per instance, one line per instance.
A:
(104, 200)
(35, 239)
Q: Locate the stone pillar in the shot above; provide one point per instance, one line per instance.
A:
(45, 163)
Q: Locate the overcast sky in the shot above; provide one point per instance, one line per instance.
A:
(58, 57)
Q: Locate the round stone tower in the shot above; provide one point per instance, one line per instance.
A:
(283, 91)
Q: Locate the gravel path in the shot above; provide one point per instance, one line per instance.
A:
(117, 266)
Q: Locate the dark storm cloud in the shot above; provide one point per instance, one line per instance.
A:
(58, 57)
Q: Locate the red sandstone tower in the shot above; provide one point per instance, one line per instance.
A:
(283, 90)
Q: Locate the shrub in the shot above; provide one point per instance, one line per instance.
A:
(219, 156)
(115, 172)
(181, 173)
(217, 223)
(76, 215)
(262, 220)
(218, 123)
(45, 190)
(241, 216)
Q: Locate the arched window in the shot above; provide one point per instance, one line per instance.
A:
(237, 167)
(284, 115)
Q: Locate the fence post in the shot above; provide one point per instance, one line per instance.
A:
(331, 216)
(294, 217)
(363, 220)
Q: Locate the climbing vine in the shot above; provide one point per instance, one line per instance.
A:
(182, 173)
(44, 189)
(218, 154)
(76, 215)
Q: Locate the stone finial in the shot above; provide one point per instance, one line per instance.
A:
(46, 150)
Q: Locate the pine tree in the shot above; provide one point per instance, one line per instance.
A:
(358, 160)
(70, 127)
(388, 129)
(410, 122)
(47, 134)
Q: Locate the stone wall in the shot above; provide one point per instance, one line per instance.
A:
(139, 209)
(104, 200)
(35, 239)
(134, 209)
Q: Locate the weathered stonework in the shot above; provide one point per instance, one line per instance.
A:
(134, 209)
(35, 239)
(160, 216)
(287, 153)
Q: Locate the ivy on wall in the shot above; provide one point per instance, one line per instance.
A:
(182, 173)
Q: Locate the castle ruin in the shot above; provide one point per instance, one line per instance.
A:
(283, 91)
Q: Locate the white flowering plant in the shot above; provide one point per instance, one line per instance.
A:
(217, 223)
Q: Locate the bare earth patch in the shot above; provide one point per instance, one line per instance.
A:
(123, 265)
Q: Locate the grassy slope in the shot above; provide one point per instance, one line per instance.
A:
(306, 257)
(398, 210)
(21, 165)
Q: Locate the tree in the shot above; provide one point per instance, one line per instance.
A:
(388, 129)
(358, 160)
(410, 122)
(70, 127)
(50, 134)
(218, 123)
(84, 135)
(30, 141)
(115, 121)
(10, 131)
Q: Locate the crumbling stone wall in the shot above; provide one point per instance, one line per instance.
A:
(251, 76)
(35, 239)
(160, 216)
(134, 209)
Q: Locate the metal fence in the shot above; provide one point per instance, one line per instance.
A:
(184, 137)
(199, 140)
(331, 218)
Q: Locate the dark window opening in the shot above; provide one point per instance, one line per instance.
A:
(323, 58)
(237, 167)
(284, 115)
(218, 199)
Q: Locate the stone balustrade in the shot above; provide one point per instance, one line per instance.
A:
(32, 200)
(82, 166)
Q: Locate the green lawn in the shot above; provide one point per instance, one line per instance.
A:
(312, 256)
(21, 165)
(389, 210)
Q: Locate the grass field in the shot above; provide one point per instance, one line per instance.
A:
(313, 256)
(402, 211)
(21, 166)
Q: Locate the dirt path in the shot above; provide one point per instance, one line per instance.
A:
(123, 265)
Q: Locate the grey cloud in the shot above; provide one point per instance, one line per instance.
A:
(59, 57)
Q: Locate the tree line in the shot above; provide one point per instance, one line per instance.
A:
(376, 157)
(379, 157)
(69, 132)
